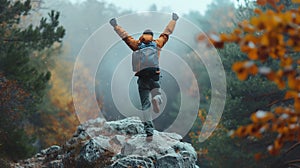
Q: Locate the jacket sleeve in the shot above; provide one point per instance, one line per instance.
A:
(163, 38)
(129, 40)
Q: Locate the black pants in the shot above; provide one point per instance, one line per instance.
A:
(147, 85)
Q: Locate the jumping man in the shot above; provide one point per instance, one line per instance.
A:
(145, 64)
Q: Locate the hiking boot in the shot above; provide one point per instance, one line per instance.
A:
(156, 102)
(148, 127)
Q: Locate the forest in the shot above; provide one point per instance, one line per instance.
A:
(256, 41)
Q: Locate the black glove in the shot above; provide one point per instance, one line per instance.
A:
(113, 22)
(175, 16)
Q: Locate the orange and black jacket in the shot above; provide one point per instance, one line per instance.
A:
(133, 44)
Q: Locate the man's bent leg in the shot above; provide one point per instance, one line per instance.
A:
(156, 96)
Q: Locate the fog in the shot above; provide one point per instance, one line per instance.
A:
(99, 53)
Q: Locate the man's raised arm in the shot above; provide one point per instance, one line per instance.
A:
(129, 40)
(163, 38)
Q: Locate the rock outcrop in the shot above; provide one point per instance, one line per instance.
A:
(116, 144)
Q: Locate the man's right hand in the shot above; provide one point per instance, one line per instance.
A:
(113, 22)
(174, 16)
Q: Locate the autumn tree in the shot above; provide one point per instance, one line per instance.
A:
(269, 42)
(12, 100)
(241, 100)
(59, 119)
(24, 78)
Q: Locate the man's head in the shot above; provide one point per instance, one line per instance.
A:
(147, 36)
(148, 31)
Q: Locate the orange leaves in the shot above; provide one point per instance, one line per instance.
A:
(60, 125)
(283, 121)
(243, 69)
(276, 77)
(216, 40)
(237, 31)
(264, 35)
(240, 69)
(258, 156)
(246, 27)
(294, 82)
(261, 2)
(286, 125)
(255, 130)
(253, 54)
(272, 35)
(13, 99)
(264, 2)
(296, 1)
(286, 62)
(260, 125)
(261, 116)
(241, 132)
(265, 21)
(297, 104)
(202, 115)
(273, 150)
(264, 40)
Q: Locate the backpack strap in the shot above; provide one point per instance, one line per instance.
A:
(144, 45)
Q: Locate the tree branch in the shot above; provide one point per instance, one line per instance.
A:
(292, 161)
(292, 147)
(295, 165)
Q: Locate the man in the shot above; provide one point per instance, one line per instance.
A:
(148, 81)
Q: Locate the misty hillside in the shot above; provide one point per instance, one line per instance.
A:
(229, 80)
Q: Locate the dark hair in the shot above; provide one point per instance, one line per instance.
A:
(148, 31)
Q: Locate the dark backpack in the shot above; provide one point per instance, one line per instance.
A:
(145, 57)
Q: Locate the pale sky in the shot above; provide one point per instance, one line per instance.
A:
(177, 6)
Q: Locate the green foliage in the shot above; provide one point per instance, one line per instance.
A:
(23, 85)
(242, 99)
(245, 97)
(17, 144)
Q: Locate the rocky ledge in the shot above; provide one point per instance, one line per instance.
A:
(115, 144)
